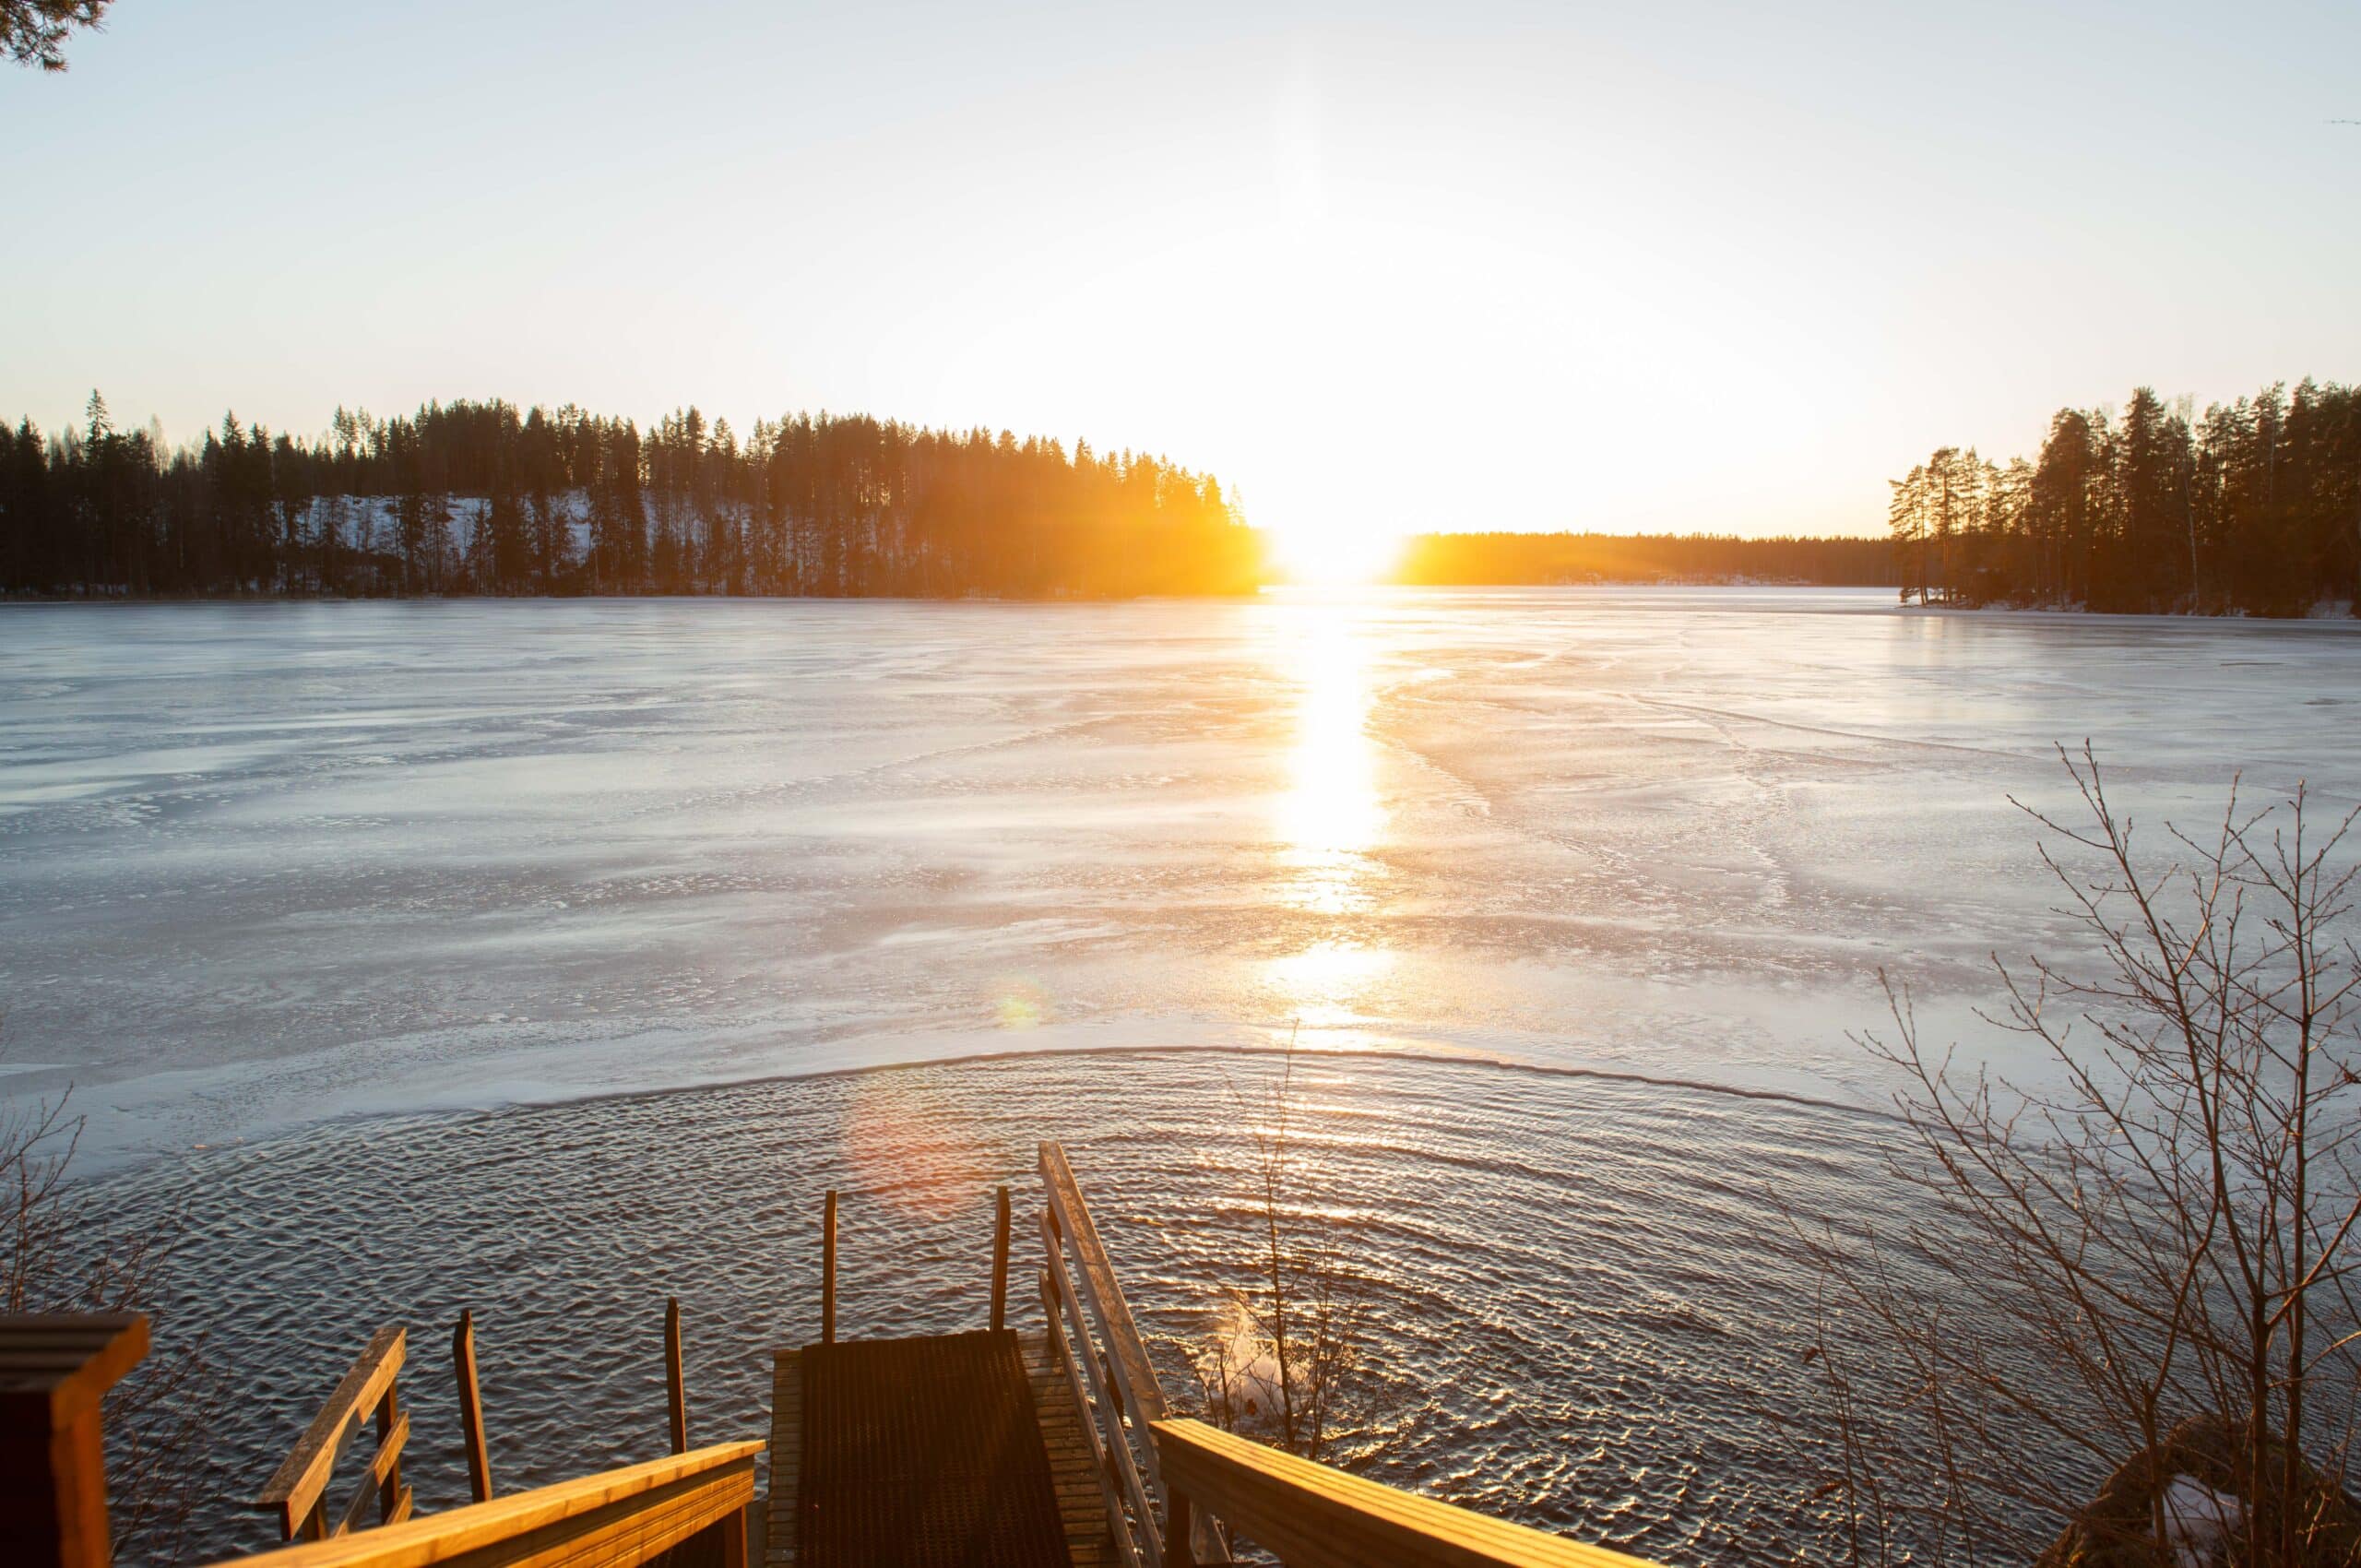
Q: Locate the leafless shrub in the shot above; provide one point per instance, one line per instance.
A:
(1278, 1363)
(2140, 1267)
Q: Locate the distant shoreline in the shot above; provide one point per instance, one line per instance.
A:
(101, 599)
(2332, 615)
(2336, 614)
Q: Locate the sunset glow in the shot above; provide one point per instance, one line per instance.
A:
(1320, 554)
(1495, 267)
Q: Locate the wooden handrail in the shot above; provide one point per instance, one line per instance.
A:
(1120, 1472)
(1312, 1516)
(616, 1517)
(1135, 1382)
(463, 1366)
(1125, 1393)
(296, 1492)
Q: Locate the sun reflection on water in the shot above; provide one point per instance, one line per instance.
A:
(1332, 817)
(1325, 981)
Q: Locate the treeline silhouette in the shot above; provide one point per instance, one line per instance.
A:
(1471, 559)
(480, 498)
(2254, 508)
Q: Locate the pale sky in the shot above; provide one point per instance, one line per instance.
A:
(1619, 266)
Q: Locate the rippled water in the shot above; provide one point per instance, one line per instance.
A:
(1583, 1309)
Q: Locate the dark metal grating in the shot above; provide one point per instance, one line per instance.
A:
(923, 1453)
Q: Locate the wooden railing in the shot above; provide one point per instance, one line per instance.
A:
(1176, 1489)
(614, 1519)
(297, 1494)
(1106, 1369)
(1311, 1515)
(54, 1369)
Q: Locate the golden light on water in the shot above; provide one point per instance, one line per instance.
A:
(1332, 817)
(1326, 980)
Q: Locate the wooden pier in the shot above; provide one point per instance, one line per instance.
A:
(1042, 1408)
(1047, 1458)
(988, 1448)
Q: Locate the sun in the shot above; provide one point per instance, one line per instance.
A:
(1331, 552)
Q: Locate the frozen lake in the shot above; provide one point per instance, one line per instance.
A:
(269, 864)
(300, 897)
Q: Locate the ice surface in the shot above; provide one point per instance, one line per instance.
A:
(266, 864)
(2199, 1521)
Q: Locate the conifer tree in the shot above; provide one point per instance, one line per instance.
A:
(33, 32)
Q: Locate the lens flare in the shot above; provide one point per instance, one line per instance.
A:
(910, 1150)
(1020, 1005)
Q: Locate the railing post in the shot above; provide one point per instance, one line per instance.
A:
(389, 1494)
(1179, 1524)
(463, 1362)
(732, 1534)
(828, 1272)
(52, 1457)
(677, 1398)
(1000, 1265)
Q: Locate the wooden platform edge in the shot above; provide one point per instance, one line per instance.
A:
(787, 1460)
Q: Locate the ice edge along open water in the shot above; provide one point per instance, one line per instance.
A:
(282, 880)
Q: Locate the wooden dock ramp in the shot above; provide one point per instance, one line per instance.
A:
(927, 1451)
(1073, 1474)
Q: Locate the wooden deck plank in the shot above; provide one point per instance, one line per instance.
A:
(1082, 1507)
(924, 1450)
(1082, 1504)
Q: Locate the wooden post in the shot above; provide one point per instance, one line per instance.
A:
(677, 1390)
(1000, 1266)
(828, 1272)
(463, 1361)
(53, 1368)
(732, 1532)
(389, 1490)
(1179, 1524)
